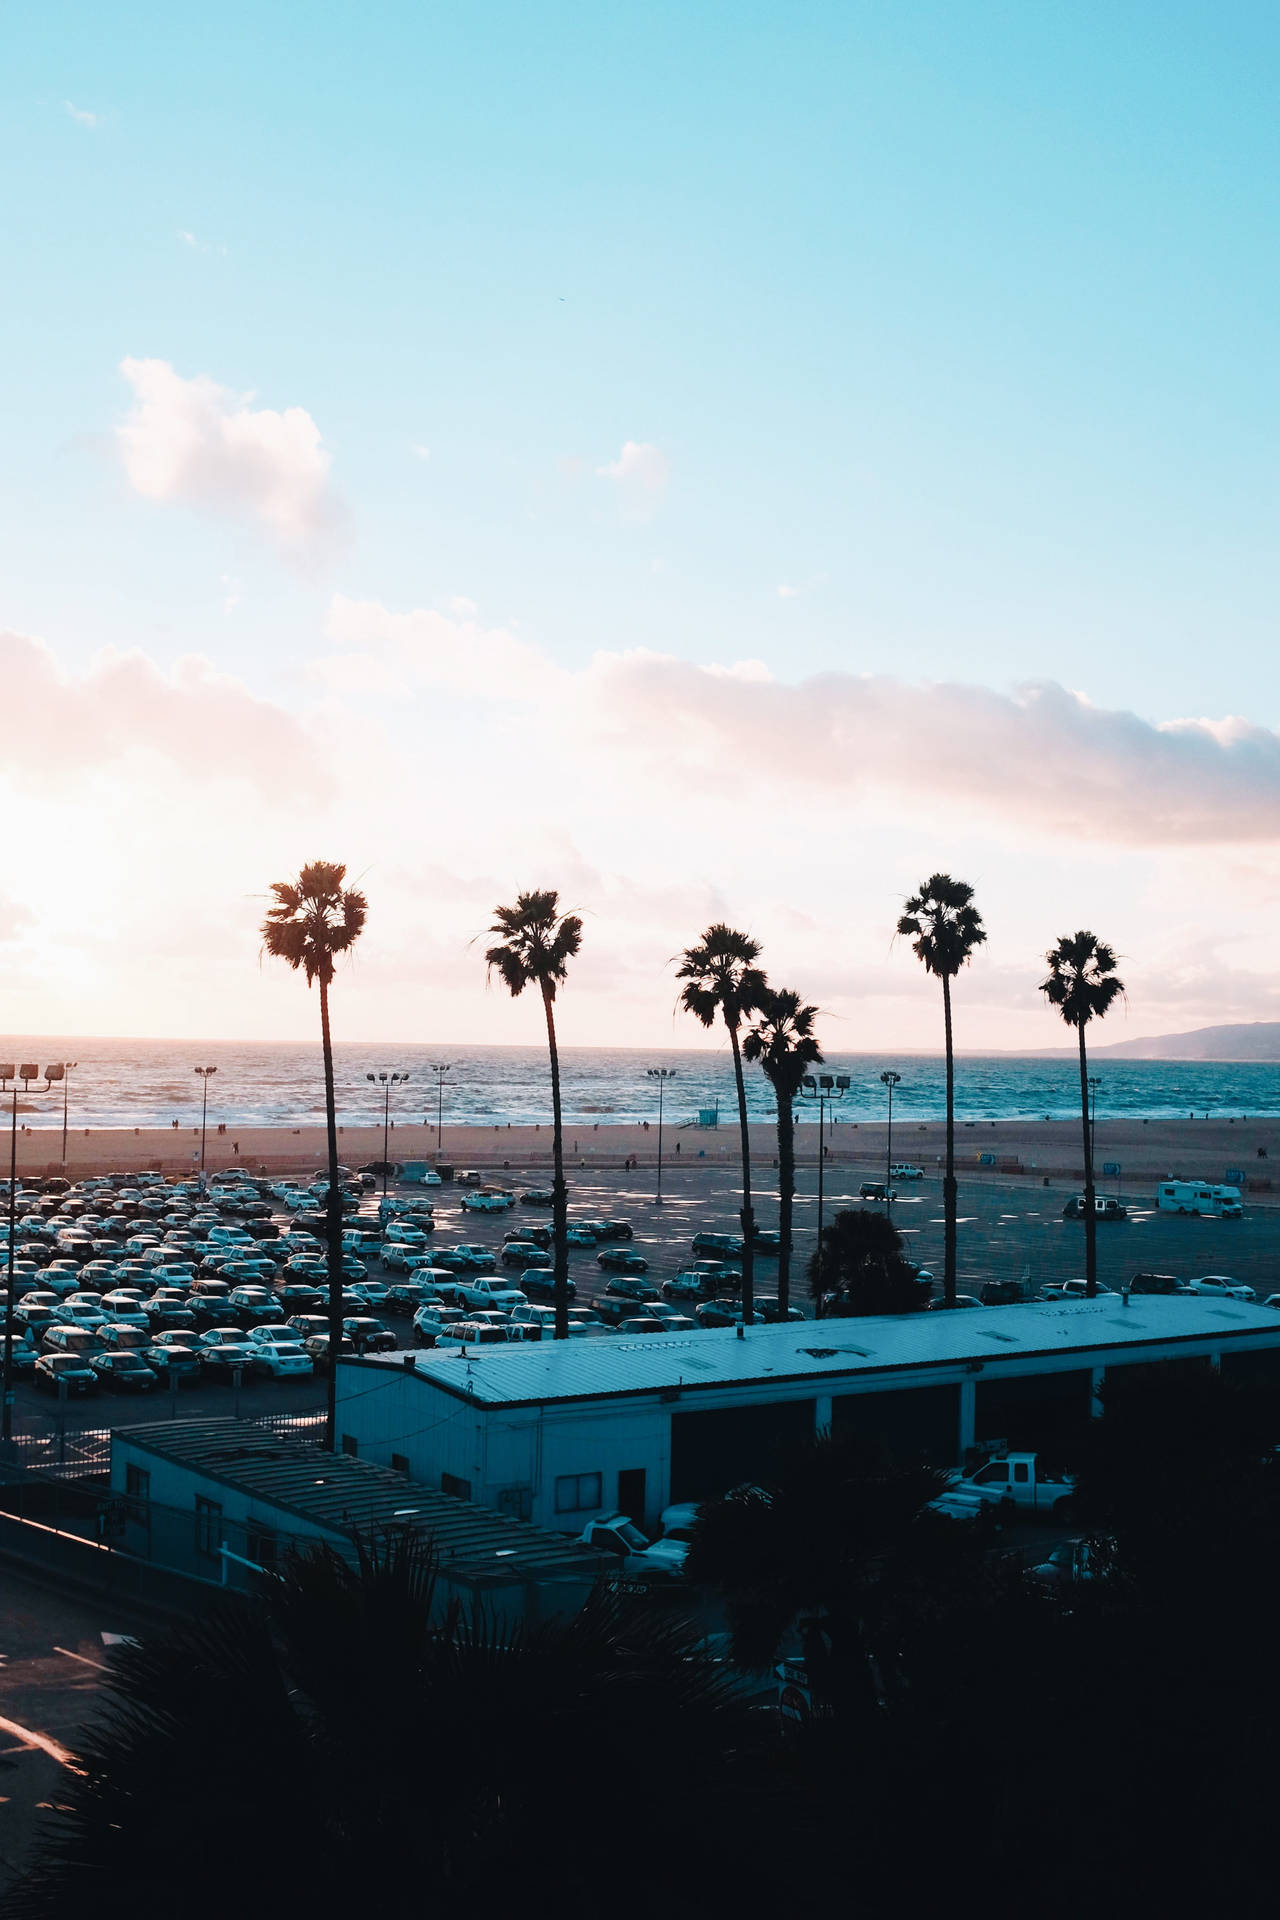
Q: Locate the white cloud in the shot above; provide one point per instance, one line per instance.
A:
(423, 453)
(197, 442)
(640, 473)
(461, 605)
(378, 650)
(230, 593)
(81, 115)
(196, 244)
(62, 725)
(788, 593)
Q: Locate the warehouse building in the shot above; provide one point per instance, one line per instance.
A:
(556, 1432)
(224, 1500)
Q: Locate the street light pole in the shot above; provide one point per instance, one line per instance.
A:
(661, 1075)
(25, 1073)
(388, 1080)
(439, 1073)
(206, 1074)
(822, 1088)
(890, 1080)
(66, 1083)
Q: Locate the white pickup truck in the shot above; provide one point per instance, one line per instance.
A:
(640, 1558)
(488, 1202)
(486, 1290)
(1013, 1481)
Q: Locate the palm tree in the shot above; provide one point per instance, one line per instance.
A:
(861, 1268)
(537, 942)
(314, 919)
(1082, 984)
(724, 980)
(783, 1042)
(234, 1707)
(945, 927)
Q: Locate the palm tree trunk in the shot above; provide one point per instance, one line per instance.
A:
(747, 1216)
(786, 1194)
(559, 1191)
(949, 1178)
(333, 1225)
(1090, 1218)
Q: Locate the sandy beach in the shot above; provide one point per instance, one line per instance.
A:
(1145, 1150)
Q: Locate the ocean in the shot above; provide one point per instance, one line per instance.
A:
(133, 1083)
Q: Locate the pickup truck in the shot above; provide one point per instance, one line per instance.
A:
(487, 1202)
(639, 1558)
(490, 1292)
(1011, 1481)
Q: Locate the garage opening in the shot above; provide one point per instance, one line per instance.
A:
(711, 1452)
(1036, 1413)
(913, 1423)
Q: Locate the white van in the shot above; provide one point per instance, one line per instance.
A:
(1198, 1197)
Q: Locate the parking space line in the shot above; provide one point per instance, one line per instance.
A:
(41, 1741)
(84, 1659)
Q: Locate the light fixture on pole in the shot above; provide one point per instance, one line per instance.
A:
(826, 1089)
(439, 1073)
(388, 1080)
(890, 1080)
(206, 1074)
(661, 1075)
(25, 1073)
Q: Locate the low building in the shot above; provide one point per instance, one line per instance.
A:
(225, 1499)
(556, 1431)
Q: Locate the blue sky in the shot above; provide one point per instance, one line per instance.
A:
(949, 333)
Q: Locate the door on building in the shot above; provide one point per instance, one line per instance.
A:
(631, 1494)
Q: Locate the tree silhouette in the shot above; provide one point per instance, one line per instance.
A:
(945, 927)
(536, 944)
(724, 982)
(782, 1041)
(314, 919)
(1082, 984)
(862, 1268)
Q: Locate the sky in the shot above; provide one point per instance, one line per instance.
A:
(718, 462)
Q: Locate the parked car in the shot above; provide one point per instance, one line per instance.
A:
(523, 1253)
(1102, 1209)
(535, 1196)
(1157, 1283)
(123, 1372)
(178, 1363)
(876, 1190)
(903, 1170)
(406, 1296)
(465, 1259)
(724, 1244)
(318, 1349)
(621, 1260)
(539, 1283)
(64, 1339)
(475, 1333)
(68, 1373)
(1002, 1293)
(579, 1237)
(372, 1292)
(630, 1288)
(1221, 1286)
(297, 1297)
(613, 1230)
(368, 1335)
(253, 1305)
(529, 1235)
(770, 1307)
(306, 1325)
(642, 1323)
(227, 1354)
(125, 1309)
(282, 1359)
(718, 1313)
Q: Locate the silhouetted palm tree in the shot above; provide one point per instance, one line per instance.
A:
(783, 1042)
(945, 927)
(314, 919)
(239, 1708)
(537, 944)
(862, 1268)
(724, 981)
(1082, 984)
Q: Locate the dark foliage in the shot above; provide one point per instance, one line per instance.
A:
(862, 1269)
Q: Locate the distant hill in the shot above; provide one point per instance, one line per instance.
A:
(1255, 1040)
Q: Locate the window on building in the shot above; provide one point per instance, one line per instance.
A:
(578, 1492)
(137, 1488)
(262, 1544)
(350, 1444)
(450, 1483)
(208, 1526)
(400, 1462)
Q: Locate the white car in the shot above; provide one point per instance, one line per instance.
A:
(430, 1321)
(1221, 1286)
(372, 1292)
(282, 1359)
(906, 1172)
(487, 1291)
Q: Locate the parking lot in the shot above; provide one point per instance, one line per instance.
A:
(1009, 1229)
